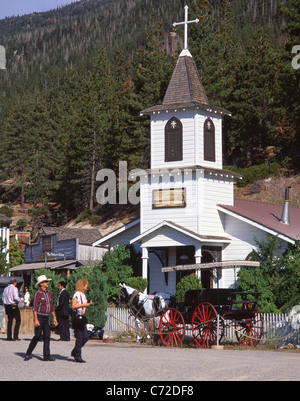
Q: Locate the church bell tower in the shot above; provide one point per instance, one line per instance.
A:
(185, 129)
(186, 181)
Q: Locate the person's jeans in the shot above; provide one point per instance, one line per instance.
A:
(42, 329)
(82, 337)
(63, 327)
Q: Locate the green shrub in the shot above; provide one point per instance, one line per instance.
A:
(190, 282)
(7, 211)
(22, 223)
(97, 292)
(116, 264)
(253, 173)
(85, 215)
(95, 220)
(277, 278)
(138, 283)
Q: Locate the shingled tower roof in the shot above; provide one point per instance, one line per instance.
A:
(185, 89)
(185, 85)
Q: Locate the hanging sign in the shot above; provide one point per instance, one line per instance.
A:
(174, 197)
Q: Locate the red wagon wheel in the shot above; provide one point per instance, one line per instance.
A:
(249, 331)
(204, 325)
(171, 327)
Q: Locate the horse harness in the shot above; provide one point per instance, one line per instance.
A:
(137, 312)
(133, 295)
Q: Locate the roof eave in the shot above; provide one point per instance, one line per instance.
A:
(183, 230)
(182, 107)
(256, 224)
(164, 170)
(116, 232)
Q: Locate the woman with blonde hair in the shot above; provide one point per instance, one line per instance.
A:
(79, 321)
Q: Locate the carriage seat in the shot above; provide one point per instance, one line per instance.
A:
(214, 296)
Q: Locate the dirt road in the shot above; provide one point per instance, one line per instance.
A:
(122, 362)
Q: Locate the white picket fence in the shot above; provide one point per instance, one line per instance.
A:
(279, 330)
(4, 236)
(118, 320)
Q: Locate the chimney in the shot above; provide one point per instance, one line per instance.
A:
(285, 217)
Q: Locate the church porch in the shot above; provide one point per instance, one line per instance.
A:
(168, 244)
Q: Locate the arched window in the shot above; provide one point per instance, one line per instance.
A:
(209, 141)
(173, 140)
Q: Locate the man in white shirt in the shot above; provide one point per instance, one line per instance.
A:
(10, 301)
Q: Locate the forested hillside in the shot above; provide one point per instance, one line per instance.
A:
(41, 46)
(78, 77)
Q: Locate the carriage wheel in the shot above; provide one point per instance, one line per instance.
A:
(249, 331)
(171, 327)
(204, 325)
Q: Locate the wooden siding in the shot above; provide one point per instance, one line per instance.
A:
(86, 252)
(213, 190)
(125, 237)
(185, 216)
(193, 139)
(34, 252)
(167, 236)
(242, 243)
(203, 193)
(157, 280)
(243, 239)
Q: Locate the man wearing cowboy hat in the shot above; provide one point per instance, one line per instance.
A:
(42, 307)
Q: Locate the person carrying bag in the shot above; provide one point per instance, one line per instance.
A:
(79, 320)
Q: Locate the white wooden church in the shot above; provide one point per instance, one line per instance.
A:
(188, 213)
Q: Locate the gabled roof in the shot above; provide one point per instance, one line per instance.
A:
(185, 90)
(85, 236)
(116, 232)
(267, 217)
(186, 231)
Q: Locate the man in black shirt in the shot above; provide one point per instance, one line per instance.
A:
(63, 312)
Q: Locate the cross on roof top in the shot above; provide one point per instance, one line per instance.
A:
(185, 23)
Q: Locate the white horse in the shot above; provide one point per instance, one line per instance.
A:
(144, 307)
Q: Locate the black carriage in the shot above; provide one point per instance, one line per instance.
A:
(209, 312)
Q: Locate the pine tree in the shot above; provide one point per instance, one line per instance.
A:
(31, 150)
(12, 155)
(151, 71)
(129, 146)
(289, 124)
(96, 126)
(202, 41)
(255, 102)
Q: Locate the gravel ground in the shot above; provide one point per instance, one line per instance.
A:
(131, 362)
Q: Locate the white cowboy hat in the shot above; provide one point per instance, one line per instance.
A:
(41, 279)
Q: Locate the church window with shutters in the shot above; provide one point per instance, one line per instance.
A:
(173, 140)
(209, 141)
